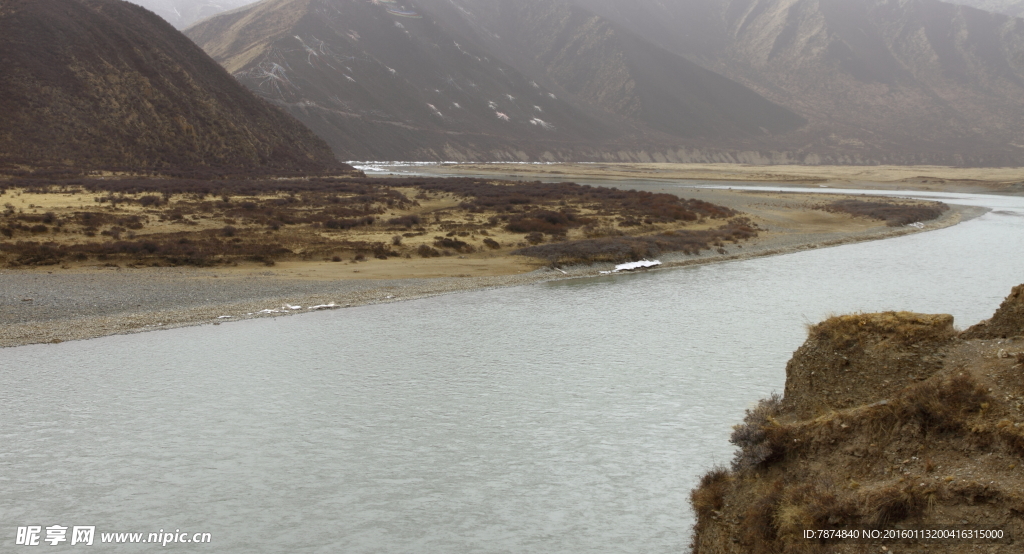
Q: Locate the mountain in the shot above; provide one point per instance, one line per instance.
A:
(107, 84)
(900, 81)
(182, 13)
(601, 64)
(1008, 7)
(809, 81)
(382, 80)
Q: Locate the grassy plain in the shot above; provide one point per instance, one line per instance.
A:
(154, 223)
(81, 258)
(936, 178)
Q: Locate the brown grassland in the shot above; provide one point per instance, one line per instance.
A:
(199, 222)
(153, 222)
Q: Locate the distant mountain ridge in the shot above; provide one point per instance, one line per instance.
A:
(107, 84)
(876, 81)
(603, 65)
(383, 80)
(1008, 7)
(899, 81)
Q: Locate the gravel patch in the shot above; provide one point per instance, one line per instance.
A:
(58, 306)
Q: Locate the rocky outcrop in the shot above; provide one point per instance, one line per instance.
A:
(859, 359)
(1008, 320)
(889, 420)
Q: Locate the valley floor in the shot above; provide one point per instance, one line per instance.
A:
(50, 305)
(1000, 180)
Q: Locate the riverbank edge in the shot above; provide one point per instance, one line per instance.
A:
(60, 330)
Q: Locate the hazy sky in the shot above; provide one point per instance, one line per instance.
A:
(182, 13)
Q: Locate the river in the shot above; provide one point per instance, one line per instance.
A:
(567, 417)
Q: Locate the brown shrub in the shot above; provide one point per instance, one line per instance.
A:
(626, 249)
(755, 435)
(759, 526)
(407, 221)
(894, 214)
(546, 222)
(427, 252)
(454, 244)
(939, 407)
(892, 504)
(710, 493)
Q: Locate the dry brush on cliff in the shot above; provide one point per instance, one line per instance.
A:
(888, 420)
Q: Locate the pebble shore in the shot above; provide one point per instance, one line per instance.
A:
(52, 307)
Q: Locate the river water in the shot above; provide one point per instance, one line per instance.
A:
(564, 417)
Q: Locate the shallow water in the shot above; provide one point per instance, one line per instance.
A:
(565, 417)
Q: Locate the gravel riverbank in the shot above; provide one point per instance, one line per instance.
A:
(40, 306)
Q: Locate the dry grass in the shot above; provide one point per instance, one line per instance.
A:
(894, 329)
(632, 248)
(709, 497)
(932, 450)
(175, 221)
(894, 214)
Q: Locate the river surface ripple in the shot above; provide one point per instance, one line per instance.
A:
(565, 417)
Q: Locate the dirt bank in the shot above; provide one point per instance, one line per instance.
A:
(889, 421)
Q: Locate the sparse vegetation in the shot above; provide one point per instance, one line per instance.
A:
(941, 447)
(894, 214)
(757, 437)
(175, 220)
(631, 248)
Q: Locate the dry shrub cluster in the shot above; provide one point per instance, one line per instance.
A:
(709, 496)
(773, 511)
(625, 248)
(454, 244)
(545, 222)
(936, 406)
(893, 214)
(759, 435)
(205, 251)
(526, 197)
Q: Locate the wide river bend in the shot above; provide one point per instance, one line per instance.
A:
(568, 417)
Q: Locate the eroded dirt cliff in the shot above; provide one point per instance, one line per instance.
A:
(889, 421)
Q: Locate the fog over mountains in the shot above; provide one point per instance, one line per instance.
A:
(812, 81)
(924, 80)
(399, 81)
(1008, 7)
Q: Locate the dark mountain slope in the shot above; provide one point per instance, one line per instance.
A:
(380, 85)
(107, 84)
(602, 64)
(383, 81)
